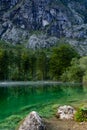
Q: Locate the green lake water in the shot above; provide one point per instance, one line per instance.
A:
(16, 101)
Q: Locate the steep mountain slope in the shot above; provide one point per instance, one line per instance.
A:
(20, 19)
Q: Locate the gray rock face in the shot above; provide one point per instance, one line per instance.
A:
(66, 112)
(41, 41)
(15, 35)
(32, 122)
(56, 18)
(46, 15)
(7, 4)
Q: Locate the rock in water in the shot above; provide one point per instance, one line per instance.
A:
(32, 122)
(66, 112)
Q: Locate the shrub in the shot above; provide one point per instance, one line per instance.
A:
(81, 114)
(61, 59)
(74, 73)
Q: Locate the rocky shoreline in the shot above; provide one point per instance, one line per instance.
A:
(64, 120)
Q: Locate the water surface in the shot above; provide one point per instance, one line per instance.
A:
(20, 98)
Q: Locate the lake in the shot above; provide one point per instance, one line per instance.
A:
(19, 98)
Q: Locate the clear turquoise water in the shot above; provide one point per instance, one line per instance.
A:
(19, 100)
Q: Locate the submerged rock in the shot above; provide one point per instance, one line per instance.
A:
(32, 122)
(66, 112)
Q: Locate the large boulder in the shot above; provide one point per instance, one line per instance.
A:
(32, 122)
(66, 112)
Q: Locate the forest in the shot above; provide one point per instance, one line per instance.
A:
(59, 63)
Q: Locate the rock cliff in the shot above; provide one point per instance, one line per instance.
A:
(20, 19)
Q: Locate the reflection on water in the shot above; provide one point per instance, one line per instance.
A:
(14, 98)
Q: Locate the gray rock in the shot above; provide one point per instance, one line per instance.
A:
(41, 41)
(55, 18)
(32, 122)
(66, 112)
(15, 35)
(47, 15)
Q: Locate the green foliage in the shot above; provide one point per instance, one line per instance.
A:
(41, 65)
(60, 59)
(77, 72)
(19, 63)
(81, 114)
(3, 64)
(83, 62)
(74, 73)
(85, 77)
